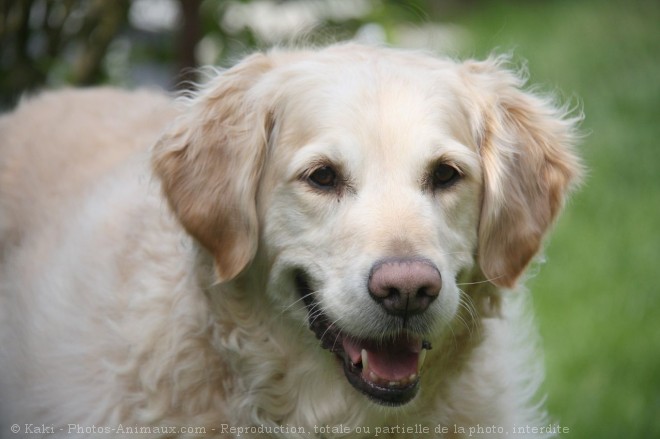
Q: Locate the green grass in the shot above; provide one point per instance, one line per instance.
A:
(598, 296)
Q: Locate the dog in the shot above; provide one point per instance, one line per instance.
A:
(317, 243)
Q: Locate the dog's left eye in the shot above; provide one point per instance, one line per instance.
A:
(444, 175)
(324, 177)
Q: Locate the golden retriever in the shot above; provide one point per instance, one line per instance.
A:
(319, 243)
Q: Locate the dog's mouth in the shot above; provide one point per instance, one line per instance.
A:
(387, 371)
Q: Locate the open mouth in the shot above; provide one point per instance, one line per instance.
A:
(387, 371)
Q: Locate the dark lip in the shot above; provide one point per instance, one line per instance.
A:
(331, 339)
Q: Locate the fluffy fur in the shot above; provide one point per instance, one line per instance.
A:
(154, 286)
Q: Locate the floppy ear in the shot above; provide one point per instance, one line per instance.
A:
(210, 162)
(528, 164)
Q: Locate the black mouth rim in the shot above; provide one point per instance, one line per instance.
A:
(330, 337)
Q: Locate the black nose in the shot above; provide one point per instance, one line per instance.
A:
(405, 286)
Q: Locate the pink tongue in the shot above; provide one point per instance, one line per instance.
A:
(391, 361)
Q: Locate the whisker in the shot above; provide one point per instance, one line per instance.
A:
(480, 281)
(296, 302)
(331, 325)
(466, 301)
(454, 337)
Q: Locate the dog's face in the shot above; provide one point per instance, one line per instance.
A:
(366, 181)
(369, 206)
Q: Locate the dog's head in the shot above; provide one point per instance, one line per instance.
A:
(365, 181)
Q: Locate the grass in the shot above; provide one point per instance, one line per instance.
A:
(598, 298)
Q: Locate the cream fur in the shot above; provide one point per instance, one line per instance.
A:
(153, 287)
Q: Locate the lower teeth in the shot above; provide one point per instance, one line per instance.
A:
(375, 379)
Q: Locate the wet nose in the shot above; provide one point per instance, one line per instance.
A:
(404, 286)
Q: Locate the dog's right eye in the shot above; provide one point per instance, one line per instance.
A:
(324, 178)
(444, 175)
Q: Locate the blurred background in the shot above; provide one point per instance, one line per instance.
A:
(597, 298)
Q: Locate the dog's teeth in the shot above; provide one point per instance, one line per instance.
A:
(365, 359)
(420, 361)
(394, 384)
(412, 377)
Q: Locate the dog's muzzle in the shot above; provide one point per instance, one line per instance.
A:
(387, 371)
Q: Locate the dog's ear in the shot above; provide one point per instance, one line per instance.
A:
(526, 147)
(210, 161)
